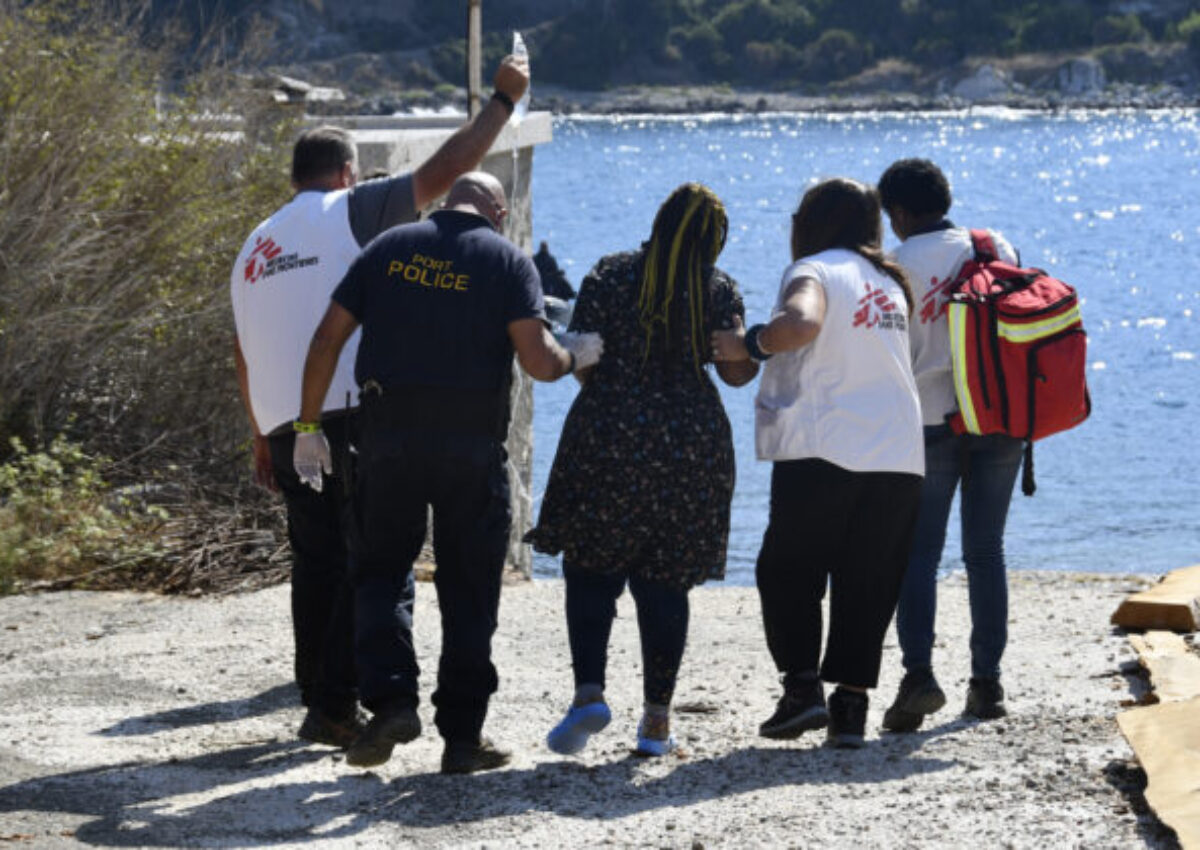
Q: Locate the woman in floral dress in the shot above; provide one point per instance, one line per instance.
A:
(640, 488)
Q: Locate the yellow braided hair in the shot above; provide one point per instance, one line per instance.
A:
(688, 235)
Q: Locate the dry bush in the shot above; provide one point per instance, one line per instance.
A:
(121, 212)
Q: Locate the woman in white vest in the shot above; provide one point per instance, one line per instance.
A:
(838, 415)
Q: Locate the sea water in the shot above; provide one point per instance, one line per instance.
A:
(1109, 202)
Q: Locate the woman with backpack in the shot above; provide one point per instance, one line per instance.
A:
(837, 414)
(640, 488)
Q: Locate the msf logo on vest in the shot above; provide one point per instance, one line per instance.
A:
(267, 259)
(877, 310)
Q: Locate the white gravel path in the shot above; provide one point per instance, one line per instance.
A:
(135, 720)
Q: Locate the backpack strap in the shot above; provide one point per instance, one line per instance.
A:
(985, 248)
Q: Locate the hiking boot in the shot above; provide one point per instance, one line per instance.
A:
(801, 708)
(472, 756)
(985, 699)
(919, 695)
(572, 732)
(847, 719)
(385, 731)
(322, 728)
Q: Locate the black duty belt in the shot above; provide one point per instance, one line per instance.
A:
(440, 409)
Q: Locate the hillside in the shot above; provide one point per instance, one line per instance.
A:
(389, 54)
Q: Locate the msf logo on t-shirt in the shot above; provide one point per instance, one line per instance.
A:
(877, 310)
(266, 260)
(936, 299)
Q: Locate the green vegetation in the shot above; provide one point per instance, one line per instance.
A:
(121, 206)
(595, 43)
(59, 518)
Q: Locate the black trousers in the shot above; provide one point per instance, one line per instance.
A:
(464, 479)
(852, 531)
(322, 614)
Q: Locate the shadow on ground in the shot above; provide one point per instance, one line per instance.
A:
(242, 797)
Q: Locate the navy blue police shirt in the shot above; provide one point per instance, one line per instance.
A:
(435, 299)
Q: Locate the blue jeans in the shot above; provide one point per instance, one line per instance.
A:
(987, 468)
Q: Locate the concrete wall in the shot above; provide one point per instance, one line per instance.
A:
(403, 143)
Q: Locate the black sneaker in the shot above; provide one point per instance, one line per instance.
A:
(322, 728)
(800, 709)
(919, 695)
(985, 699)
(385, 731)
(847, 719)
(469, 757)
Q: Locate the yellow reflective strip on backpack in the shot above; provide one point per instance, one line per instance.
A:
(1032, 331)
(956, 318)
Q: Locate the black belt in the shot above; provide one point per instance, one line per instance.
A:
(439, 409)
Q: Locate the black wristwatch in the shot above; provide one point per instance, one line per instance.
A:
(752, 346)
(504, 99)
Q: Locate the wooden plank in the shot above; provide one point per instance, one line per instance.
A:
(1174, 669)
(1166, 740)
(1172, 604)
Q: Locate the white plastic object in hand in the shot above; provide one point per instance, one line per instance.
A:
(587, 347)
(521, 106)
(311, 457)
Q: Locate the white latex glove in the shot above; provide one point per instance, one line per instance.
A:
(587, 348)
(310, 457)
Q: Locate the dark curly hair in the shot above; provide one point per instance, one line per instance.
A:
(916, 186)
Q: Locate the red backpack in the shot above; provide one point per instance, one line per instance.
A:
(1019, 352)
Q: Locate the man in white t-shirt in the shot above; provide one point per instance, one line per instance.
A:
(280, 287)
(916, 196)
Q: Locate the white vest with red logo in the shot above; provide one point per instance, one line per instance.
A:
(849, 396)
(280, 287)
(932, 261)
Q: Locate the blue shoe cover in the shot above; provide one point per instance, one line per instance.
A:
(654, 746)
(571, 734)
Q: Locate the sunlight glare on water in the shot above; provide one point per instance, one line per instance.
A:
(1104, 200)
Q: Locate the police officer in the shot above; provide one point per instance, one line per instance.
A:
(280, 287)
(443, 305)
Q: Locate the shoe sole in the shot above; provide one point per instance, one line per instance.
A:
(845, 741)
(899, 720)
(490, 762)
(815, 718)
(987, 714)
(378, 752)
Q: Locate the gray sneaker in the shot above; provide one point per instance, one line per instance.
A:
(919, 695)
(384, 731)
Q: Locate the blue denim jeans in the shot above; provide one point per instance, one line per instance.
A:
(987, 468)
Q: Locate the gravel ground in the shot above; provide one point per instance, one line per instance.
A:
(132, 720)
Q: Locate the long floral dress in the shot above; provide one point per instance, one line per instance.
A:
(644, 473)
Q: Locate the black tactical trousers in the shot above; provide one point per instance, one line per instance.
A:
(322, 615)
(464, 479)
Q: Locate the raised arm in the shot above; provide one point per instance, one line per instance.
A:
(470, 143)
